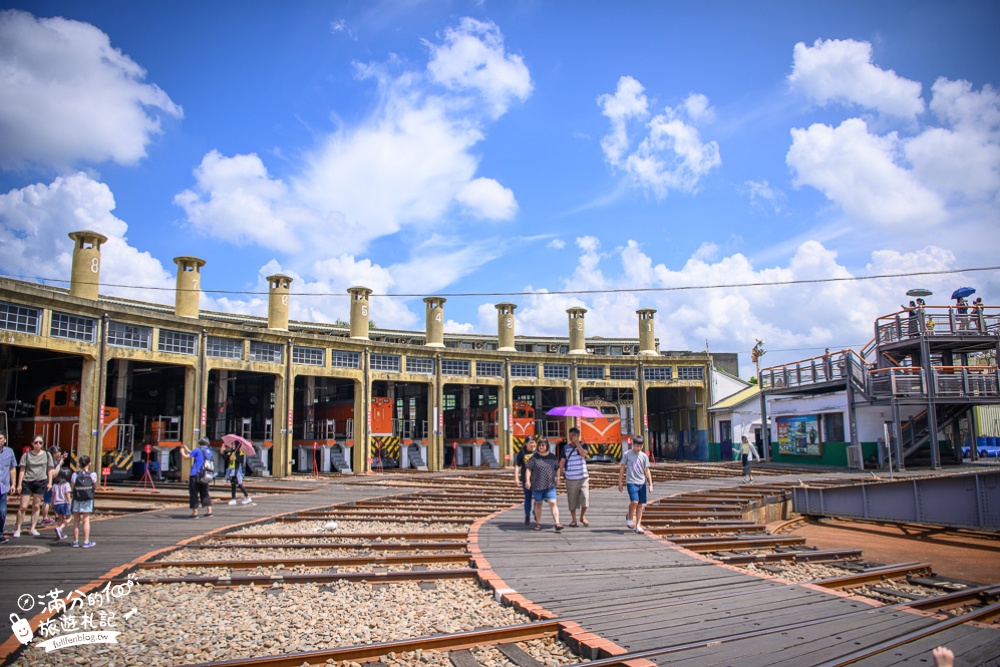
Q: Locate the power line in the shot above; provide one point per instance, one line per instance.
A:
(623, 290)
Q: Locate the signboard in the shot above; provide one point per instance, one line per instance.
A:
(799, 435)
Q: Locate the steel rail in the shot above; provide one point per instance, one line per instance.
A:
(874, 574)
(450, 642)
(453, 536)
(797, 556)
(270, 579)
(709, 544)
(979, 594)
(371, 546)
(436, 518)
(666, 530)
(415, 559)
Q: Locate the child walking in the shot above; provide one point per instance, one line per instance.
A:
(62, 491)
(634, 471)
(84, 483)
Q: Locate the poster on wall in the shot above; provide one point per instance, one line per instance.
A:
(799, 435)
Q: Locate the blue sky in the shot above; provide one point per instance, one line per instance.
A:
(614, 151)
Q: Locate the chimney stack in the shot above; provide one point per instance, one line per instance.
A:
(577, 333)
(86, 274)
(188, 293)
(277, 304)
(647, 335)
(359, 312)
(505, 327)
(435, 321)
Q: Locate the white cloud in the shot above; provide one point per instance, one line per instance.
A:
(556, 244)
(409, 163)
(485, 198)
(963, 159)
(472, 57)
(791, 319)
(698, 108)
(842, 71)
(70, 97)
(34, 225)
(671, 155)
(956, 103)
(858, 170)
(628, 102)
(761, 192)
(236, 200)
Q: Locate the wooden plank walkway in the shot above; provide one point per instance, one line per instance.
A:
(643, 593)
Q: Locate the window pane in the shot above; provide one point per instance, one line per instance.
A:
(73, 327)
(19, 318)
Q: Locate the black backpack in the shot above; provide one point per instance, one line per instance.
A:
(83, 488)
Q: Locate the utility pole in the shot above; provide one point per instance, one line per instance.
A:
(756, 353)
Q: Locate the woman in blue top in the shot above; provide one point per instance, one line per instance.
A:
(197, 485)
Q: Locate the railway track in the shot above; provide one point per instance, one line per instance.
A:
(410, 555)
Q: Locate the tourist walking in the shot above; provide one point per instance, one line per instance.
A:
(520, 459)
(747, 449)
(634, 472)
(8, 481)
(33, 480)
(541, 475)
(573, 466)
(58, 458)
(62, 492)
(202, 471)
(235, 459)
(84, 482)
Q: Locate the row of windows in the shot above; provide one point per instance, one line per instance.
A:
(26, 320)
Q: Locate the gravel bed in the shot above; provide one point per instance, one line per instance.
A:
(549, 652)
(798, 572)
(806, 572)
(341, 526)
(197, 571)
(171, 623)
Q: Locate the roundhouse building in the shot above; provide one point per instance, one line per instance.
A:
(107, 376)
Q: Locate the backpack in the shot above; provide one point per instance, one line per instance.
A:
(83, 488)
(207, 466)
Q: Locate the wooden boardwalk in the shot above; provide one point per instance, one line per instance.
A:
(643, 593)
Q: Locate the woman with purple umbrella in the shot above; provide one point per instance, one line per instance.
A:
(235, 460)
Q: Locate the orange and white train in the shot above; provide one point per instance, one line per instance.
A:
(56, 417)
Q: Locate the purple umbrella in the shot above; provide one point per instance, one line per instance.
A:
(574, 411)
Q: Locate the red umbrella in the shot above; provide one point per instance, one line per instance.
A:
(574, 411)
(245, 445)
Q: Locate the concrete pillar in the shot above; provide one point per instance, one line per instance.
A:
(359, 312)
(505, 327)
(277, 304)
(90, 403)
(85, 278)
(577, 332)
(647, 333)
(435, 321)
(188, 293)
(362, 447)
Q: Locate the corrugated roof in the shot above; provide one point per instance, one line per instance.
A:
(737, 398)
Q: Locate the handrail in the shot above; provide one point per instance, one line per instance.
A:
(904, 369)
